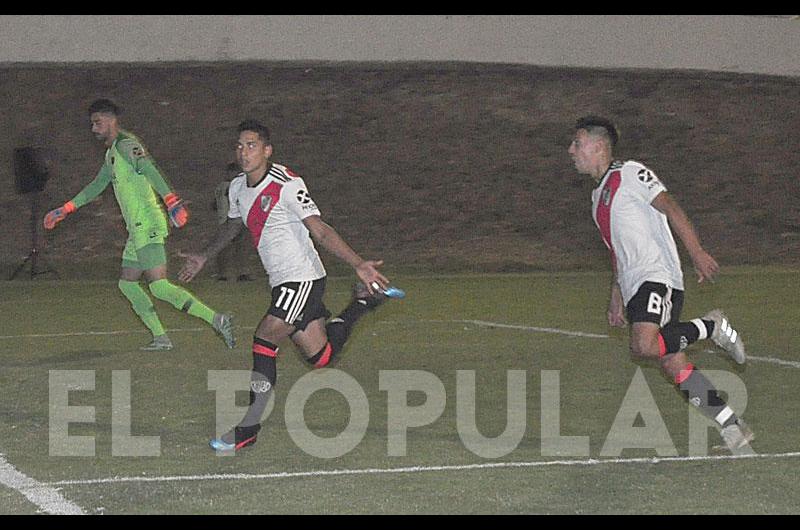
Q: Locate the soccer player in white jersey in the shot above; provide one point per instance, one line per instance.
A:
(275, 206)
(634, 213)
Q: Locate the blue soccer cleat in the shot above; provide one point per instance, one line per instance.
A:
(234, 440)
(394, 292)
(379, 296)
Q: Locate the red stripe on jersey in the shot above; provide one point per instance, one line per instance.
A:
(262, 207)
(603, 214)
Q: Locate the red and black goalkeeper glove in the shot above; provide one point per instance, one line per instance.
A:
(59, 214)
(177, 211)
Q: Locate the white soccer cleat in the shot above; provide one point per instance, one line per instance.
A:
(223, 325)
(737, 438)
(161, 343)
(726, 337)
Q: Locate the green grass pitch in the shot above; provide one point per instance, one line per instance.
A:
(443, 326)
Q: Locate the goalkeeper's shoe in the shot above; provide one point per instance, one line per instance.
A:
(161, 343)
(726, 337)
(235, 439)
(737, 437)
(223, 324)
(362, 295)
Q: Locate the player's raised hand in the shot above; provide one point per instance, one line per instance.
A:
(192, 267)
(368, 273)
(54, 217)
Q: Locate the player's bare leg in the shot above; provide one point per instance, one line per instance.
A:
(314, 345)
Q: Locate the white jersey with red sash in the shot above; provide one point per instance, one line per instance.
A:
(638, 236)
(273, 211)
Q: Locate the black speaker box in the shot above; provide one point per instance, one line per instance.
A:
(30, 170)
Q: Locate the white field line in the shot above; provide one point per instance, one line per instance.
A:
(555, 331)
(95, 333)
(773, 360)
(480, 323)
(424, 469)
(45, 497)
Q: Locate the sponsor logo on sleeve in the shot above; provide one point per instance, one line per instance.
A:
(305, 200)
(647, 178)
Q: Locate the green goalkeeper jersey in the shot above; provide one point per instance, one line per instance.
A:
(136, 180)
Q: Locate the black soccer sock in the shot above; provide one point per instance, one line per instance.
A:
(701, 393)
(262, 381)
(353, 312)
(338, 332)
(677, 337)
(339, 328)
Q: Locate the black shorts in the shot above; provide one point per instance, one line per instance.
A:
(299, 303)
(656, 303)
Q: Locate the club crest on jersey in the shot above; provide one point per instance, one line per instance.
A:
(266, 202)
(606, 198)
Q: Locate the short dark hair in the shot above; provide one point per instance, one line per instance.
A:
(105, 106)
(256, 127)
(599, 126)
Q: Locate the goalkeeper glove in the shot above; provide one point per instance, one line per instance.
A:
(178, 213)
(59, 214)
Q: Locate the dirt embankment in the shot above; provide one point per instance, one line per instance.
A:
(432, 167)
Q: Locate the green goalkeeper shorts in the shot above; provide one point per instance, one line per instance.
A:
(144, 258)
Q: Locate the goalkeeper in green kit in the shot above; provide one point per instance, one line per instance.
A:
(138, 184)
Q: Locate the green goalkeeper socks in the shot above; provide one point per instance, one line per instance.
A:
(182, 300)
(142, 306)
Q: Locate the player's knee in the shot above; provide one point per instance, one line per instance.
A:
(644, 349)
(159, 290)
(131, 290)
(672, 365)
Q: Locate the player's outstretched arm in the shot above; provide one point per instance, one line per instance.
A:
(86, 195)
(706, 266)
(196, 261)
(330, 240)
